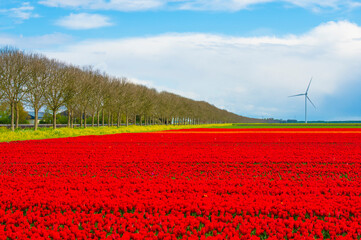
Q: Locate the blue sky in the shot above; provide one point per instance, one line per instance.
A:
(245, 56)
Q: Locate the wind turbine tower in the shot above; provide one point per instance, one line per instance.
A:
(306, 98)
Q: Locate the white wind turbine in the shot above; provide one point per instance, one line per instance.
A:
(306, 98)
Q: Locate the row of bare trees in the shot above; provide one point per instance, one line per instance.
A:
(39, 82)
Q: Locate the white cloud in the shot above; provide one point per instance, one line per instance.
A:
(121, 5)
(69, 3)
(249, 76)
(213, 5)
(84, 21)
(23, 13)
(35, 43)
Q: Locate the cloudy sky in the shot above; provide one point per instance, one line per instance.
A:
(246, 56)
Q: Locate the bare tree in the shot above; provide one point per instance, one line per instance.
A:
(71, 93)
(85, 84)
(119, 86)
(37, 84)
(14, 76)
(98, 97)
(94, 94)
(129, 100)
(109, 95)
(55, 94)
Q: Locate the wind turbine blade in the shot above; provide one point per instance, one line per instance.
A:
(297, 95)
(308, 86)
(311, 102)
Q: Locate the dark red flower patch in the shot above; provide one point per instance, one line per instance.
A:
(269, 184)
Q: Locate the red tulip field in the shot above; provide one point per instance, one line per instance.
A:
(184, 184)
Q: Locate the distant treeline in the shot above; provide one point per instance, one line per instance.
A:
(37, 82)
(326, 122)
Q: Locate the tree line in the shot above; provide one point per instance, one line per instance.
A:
(38, 82)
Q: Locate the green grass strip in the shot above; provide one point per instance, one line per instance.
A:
(291, 125)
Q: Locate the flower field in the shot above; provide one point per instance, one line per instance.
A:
(184, 184)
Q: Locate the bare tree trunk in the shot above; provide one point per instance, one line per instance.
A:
(112, 120)
(69, 118)
(72, 119)
(84, 119)
(109, 119)
(93, 119)
(135, 120)
(118, 123)
(103, 117)
(97, 118)
(17, 115)
(127, 120)
(81, 119)
(36, 119)
(12, 116)
(54, 119)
